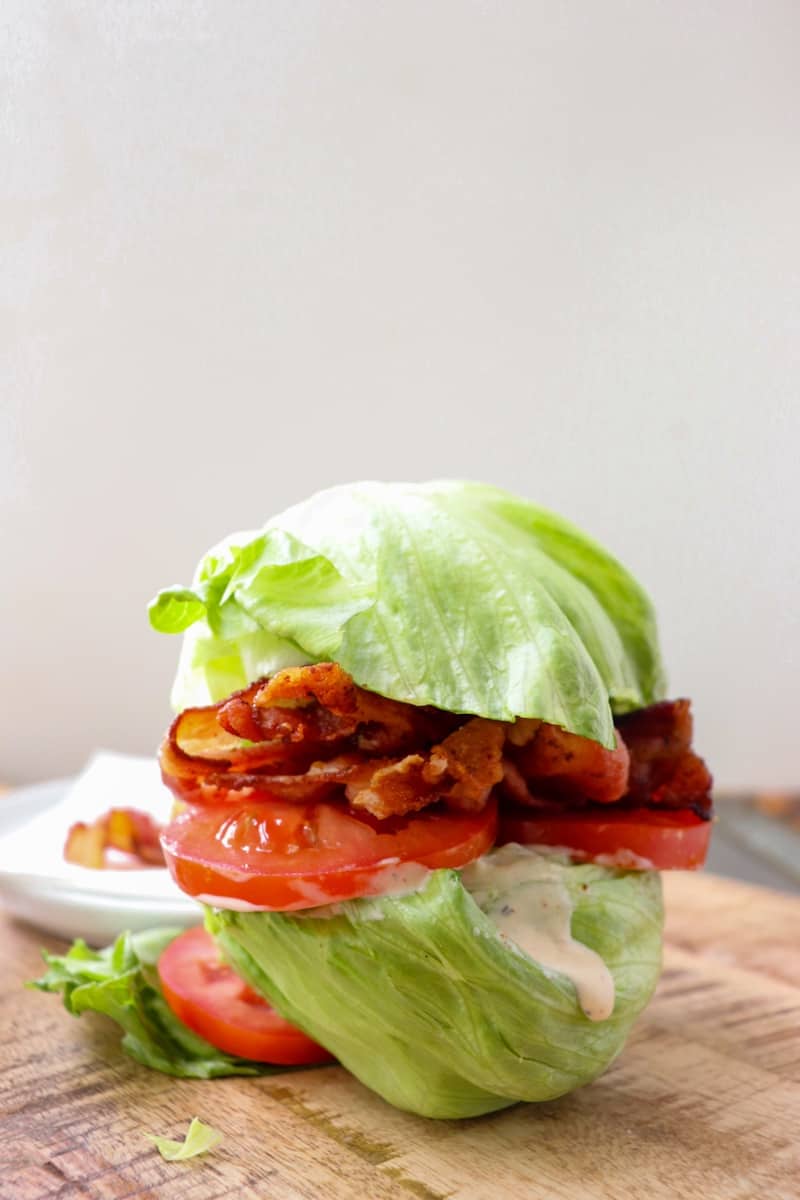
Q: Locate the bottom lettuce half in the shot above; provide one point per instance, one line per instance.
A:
(420, 998)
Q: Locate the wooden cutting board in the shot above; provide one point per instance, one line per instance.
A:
(703, 1103)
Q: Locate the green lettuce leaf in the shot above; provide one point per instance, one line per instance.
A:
(451, 594)
(420, 998)
(272, 582)
(199, 1139)
(121, 982)
(211, 667)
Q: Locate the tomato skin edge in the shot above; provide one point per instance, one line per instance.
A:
(287, 893)
(644, 839)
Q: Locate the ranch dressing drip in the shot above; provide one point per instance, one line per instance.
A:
(525, 896)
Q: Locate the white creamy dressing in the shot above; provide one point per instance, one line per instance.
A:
(230, 902)
(622, 859)
(397, 878)
(524, 894)
(393, 879)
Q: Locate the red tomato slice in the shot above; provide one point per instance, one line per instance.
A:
(278, 856)
(623, 837)
(208, 996)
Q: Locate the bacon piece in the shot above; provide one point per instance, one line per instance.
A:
(461, 770)
(85, 845)
(324, 690)
(472, 756)
(236, 715)
(513, 788)
(523, 730)
(319, 782)
(284, 721)
(129, 831)
(561, 764)
(309, 733)
(664, 769)
(290, 722)
(206, 782)
(320, 705)
(393, 789)
(197, 735)
(662, 730)
(200, 760)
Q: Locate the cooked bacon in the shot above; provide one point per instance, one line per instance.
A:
(461, 770)
(563, 765)
(393, 789)
(320, 704)
(309, 733)
(215, 783)
(660, 731)
(472, 756)
(664, 769)
(653, 764)
(285, 721)
(201, 761)
(270, 737)
(512, 787)
(133, 834)
(522, 731)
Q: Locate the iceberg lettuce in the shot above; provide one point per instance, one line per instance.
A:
(417, 995)
(453, 594)
(424, 1002)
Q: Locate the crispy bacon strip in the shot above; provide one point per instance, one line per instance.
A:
(461, 770)
(320, 704)
(565, 764)
(291, 721)
(309, 733)
(664, 769)
(515, 789)
(653, 764)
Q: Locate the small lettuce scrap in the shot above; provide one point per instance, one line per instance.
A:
(452, 594)
(121, 982)
(200, 1138)
(420, 998)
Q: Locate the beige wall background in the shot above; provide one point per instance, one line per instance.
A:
(251, 249)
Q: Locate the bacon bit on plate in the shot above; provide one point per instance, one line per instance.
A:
(120, 839)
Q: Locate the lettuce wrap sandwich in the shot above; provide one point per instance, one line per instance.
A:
(426, 778)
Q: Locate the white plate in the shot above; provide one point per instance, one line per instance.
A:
(36, 883)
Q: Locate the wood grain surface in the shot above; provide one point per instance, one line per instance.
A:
(703, 1103)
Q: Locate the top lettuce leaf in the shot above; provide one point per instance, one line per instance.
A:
(453, 594)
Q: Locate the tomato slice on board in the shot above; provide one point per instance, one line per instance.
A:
(208, 996)
(278, 856)
(633, 837)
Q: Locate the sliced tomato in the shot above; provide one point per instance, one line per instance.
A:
(208, 996)
(278, 856)
(635, 837)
